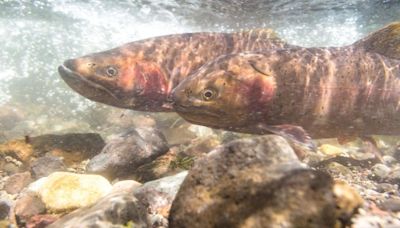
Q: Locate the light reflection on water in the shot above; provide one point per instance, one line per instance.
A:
(36, 36)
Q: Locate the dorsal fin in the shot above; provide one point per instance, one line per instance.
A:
(385, 41)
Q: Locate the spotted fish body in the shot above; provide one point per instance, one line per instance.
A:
(140, 75)
(328, 92)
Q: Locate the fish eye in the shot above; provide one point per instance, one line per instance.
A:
(111, 71)
(208, 94)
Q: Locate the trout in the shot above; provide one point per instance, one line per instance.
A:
(300, 93)
(140, 75)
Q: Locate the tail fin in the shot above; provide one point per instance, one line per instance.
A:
(385, 41)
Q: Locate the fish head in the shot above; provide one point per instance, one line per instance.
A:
(228, 92)
(118, 78)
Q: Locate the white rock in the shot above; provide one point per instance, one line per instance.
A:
(62, 191)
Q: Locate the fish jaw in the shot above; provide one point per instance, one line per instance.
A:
(139, 85)
(85, 87)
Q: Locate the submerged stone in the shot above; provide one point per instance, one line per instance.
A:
(123, 155)
(257, 181)
(46, 165)
(28, 205)
(157, 197)
(15, 183)
(114, 210)
(62, 191)
(41, 221)
(74, 148)
(5, 208)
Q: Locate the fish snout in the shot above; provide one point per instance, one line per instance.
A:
(70, 64)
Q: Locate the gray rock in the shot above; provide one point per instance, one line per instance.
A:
(46, 165)
(15, 183)
(389, 160)
(394, 176)
(380, 172)
(5, 207)
(386, 187)
(114, 210)
(11, 168)
(123, 155)
(392, 204)
(28, 205)
(257, 181)
(157, 197)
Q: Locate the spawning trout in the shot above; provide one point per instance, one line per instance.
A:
(140, 75)
(343, 91)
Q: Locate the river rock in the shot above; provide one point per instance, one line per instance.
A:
(392, 204)
(17, 149)
(257, 181)
(62, 191)
(380, 172)
(15, 183)
(5, 207)
(73, 147)
(158, 168)
(394, 176)
(41, 221)
(28, 205)
(46, 165)
(157, 196)
(114, 210)
(123, 155)
(125, 185)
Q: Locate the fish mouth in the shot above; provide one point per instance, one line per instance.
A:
(76, 81)
(66, 72)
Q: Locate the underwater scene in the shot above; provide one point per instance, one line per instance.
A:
(189, 113)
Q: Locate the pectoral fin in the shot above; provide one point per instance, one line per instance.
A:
(296, 135)
(385, 41)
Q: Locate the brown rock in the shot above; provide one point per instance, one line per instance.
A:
(41, 221)
(46, 165)
(17, 149)
(17, 182)
(74, 147)
(28, 205)
(158, 168)
(253, 182)
(201, 146)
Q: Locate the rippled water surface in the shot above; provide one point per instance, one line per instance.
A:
(37, 36)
